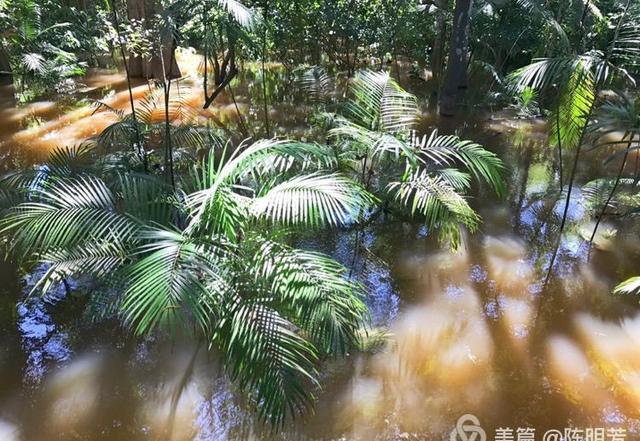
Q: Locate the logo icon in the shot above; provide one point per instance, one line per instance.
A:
(468, 429)
(553, 435)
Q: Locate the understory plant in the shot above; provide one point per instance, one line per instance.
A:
(212, 258)
(428, 176)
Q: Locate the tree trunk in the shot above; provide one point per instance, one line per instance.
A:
(151, 67)
(456, 79)
(6, 77)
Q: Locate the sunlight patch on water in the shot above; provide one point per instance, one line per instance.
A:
(571, 372)
(439, 359)
(73, 394)
(9, 432)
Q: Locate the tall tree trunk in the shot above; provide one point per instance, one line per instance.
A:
(153, 66)
(456, 79)
(6, 77)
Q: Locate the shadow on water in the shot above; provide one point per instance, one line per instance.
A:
(463, 336)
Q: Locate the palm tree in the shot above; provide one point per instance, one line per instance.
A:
(211, 258)
(579, 77)
(148, 122)
(429, 176)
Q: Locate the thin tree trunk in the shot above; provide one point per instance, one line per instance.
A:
(243, 126)
(166, 85)
(560, 169)
(565, 211)
(264, 72)
(456, 74)
(139, 147)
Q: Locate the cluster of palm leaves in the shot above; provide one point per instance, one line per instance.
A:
(144, 132)
(428, 176)
(577, 80)
(211, 258)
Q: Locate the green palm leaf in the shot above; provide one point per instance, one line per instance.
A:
(438, 201)
(325, 304)
(314, 200)
(629, 286)
(379, 103)
(447, 151)
(574, 108)
(66, 213)
(268, 357)
(168, 286)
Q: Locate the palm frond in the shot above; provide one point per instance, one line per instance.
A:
(317, 84)
(168, 286)
(539, 10)
(265, 157)
(621, 114)
(629, 286)
(120, 133)
(147, 198)
(34, 62)
(379, 103)
(66, 161)
(65, 213)
(245, 16)
(543, 72)
(267, 356)
(314, 200)
(326, 305)
(378, 144)
(441, 205)
(450, 150)
(574, 108)
(98, 260)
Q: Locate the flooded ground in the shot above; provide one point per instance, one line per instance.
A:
(466, 332)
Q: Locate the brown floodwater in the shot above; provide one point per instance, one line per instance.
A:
(470, 331)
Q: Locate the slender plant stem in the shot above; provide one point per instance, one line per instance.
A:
(566, 208)
(560, 169)
(610, 197)
(636, 170)
(166, 86)
(243, 126)
(140, 148)
(206, 51)
(264, 73)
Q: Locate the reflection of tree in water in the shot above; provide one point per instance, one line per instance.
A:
(44, 342)
(472, 345)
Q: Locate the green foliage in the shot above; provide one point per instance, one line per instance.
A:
(208, 258)
(427, 176)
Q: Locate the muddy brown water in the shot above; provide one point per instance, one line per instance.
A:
(461, 328)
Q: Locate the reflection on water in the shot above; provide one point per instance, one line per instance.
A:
(468, 332)
(42, 340)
